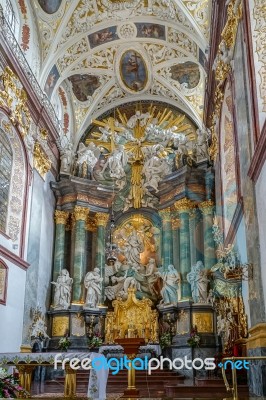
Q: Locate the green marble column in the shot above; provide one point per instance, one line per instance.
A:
(79, 269)
(101, 222)
(167, 240)
(209, 248)
(184, 207)
(59, 250)
(192, 239)
(176, 242)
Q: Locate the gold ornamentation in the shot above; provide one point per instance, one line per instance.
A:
(61, 217)
(176, 223)
(165, 215)
(41, 162)
(43, 133)
(91, 225)
(60, 326)
(206, 207)
(14, 98)
(132, 318)
(81, 213)
(203, 321)
(69, 198)
(101, 219)
(184, 205)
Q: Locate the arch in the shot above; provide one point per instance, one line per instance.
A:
(6, 162)
(3, 281)
(18, 183)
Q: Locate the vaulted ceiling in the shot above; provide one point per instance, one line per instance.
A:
(88, 47)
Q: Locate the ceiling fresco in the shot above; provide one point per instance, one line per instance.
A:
(107, 53)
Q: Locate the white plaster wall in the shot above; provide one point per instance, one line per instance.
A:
(11, 314)
(261, 211)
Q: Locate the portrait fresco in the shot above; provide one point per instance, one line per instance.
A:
(133, 71)
(50, 6)
(228, 167)
(84, 86)
(187, 73)
(103, 36)
(51, 80)
(149, 30)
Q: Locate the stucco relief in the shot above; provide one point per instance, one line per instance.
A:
(18, 176)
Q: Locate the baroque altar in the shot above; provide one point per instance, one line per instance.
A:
(132, 318)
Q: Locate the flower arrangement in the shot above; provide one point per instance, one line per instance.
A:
(9, 386)
(95, 341)
(64, 343)
(165, 340)
(194, 339)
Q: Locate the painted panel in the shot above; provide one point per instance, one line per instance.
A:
(50, 6)
(187, 74)
(51, 80)
(133, 71)
(84, 86)
(150, 30)
(103, 36)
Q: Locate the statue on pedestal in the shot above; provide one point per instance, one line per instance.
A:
(199, 282)
(66, 156)
(133, 247)
(92, 283)
(63, 288)
(171, 281)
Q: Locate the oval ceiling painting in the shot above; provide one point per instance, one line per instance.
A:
(187, 73)
(50, 6)
(133, 71)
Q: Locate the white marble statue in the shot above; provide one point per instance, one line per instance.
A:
(116, 162)
(88, 154)
(202, 144)
(93, 283)
(63, 288)
(171, 285)
(66, 157)
(151, 275)
(154, 170)
(133, 247)
(199, 282)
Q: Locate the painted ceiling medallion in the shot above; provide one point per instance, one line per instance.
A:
(187, 74)
(133, 71)
(50, 6)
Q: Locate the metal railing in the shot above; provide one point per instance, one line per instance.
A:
(234, 388)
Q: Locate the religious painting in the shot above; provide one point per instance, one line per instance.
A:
(51, 81)
(149, 30)
(228, 167)
(3, 282)
(187, 74)
(103, 36)
(133, 71)
(84, 86)
(50, 6)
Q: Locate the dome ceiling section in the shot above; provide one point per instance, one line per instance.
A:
(74, 17)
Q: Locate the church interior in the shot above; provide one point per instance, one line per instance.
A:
(133, 197)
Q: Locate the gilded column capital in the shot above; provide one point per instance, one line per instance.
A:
(91, 224)
(61, 217)
(176, 223)
(165, 214)
(206, 207)
(101, 219)
(184, 205)
(81, 213)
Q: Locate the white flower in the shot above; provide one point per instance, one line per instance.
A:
(3, 373)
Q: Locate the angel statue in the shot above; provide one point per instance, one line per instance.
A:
(88, 155)
(66, 157)
(116, 163)
(63, 288)
(93, 283)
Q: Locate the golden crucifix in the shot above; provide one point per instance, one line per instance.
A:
(136, 143)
